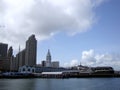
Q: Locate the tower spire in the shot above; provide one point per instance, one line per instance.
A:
(19, 48)
(48, 59)
(48, 54)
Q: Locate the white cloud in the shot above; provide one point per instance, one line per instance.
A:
(90, 58)
(93, 59)
(44, 18)
(74, 62)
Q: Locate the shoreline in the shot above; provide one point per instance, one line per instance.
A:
(62, 76)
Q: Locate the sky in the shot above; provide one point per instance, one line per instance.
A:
(75, 31)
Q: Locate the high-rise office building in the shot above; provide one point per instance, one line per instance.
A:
(10, 52)
(11, 58)
(31, 49)
(3, 50)
(4, 61)
(22, 58)
(17, 60)
(13, 64)
(14, 61)
(48, 59)
(4, 64)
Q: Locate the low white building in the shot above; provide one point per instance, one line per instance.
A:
(27, 69)
(51, 73)
(55, 64)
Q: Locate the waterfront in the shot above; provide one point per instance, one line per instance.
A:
(61, 84)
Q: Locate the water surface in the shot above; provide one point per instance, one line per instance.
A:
(61, 84)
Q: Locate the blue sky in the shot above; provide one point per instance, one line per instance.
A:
(75, 31)
(103, 37)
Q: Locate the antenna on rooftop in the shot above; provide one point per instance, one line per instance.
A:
(19, 48)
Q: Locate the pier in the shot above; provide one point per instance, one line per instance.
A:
(59, 75)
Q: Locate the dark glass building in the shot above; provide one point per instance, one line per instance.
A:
(3, 50)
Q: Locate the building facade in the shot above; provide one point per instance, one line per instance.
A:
(26, 69)
(55, 64)
(4, 64)
(13, 64)
(3, 50)
(17, 60)
(5, 57)
(31, 49)
(22, 58)
(10, 52)
(43, 63)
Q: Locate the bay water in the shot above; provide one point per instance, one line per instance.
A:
(61, 84)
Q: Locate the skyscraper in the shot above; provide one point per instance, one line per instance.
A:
(4, 61)
(10, 52)
(31, 49)
(22, 58)
(3, 50)
(17, 60)
(13, 64)
(48, 59)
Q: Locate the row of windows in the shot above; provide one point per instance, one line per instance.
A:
(33, 70)
(109, 69)
(48, 69)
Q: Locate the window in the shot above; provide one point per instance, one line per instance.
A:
(28, 69)
(23, 69)
(33, 70)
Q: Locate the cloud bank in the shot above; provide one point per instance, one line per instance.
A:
(73, 62)
(93, 59)
(21, 18)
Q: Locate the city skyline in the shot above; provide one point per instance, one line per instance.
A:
(75, 31)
